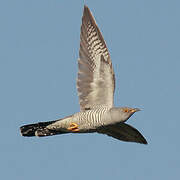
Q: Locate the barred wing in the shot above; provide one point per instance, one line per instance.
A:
(96, 81)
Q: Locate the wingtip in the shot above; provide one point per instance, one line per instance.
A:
(86, 10)
(144, 141)
(85, 7)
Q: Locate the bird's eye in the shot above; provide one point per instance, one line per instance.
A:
(126, 110)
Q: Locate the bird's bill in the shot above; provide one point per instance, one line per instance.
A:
(135, 110)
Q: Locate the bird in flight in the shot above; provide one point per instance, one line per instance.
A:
(95, 85)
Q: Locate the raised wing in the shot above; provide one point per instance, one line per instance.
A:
(96, 81)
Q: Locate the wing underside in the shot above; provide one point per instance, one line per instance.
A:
(95, 82)
(123, 132)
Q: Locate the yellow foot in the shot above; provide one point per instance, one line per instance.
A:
(73, 127)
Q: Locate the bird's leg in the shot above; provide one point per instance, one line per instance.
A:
(73, 127)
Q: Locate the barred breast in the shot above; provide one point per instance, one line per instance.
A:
(92, 119)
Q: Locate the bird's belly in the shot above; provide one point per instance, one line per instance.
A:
(90, 121)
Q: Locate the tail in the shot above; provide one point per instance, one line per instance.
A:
(39, 129)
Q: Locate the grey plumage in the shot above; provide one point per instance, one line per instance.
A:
(96, 80)
(95, 85)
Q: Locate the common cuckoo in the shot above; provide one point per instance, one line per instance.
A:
(95, 85)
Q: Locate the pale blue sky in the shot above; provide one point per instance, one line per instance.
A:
(39, 42)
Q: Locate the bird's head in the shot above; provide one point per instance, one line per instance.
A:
(122, 114)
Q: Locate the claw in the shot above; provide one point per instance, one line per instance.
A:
(73, 127)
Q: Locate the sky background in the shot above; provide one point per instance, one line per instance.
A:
(39, 43)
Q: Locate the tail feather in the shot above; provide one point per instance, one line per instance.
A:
(39, 129)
